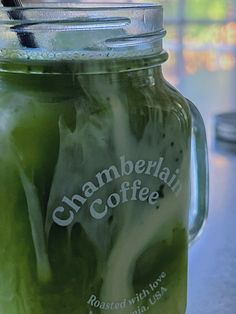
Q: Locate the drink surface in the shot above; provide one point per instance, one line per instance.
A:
(94, 195)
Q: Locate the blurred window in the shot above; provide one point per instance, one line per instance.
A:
(201, 41)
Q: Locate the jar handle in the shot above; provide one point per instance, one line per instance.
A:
(199, 175)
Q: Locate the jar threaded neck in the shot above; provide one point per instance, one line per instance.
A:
(85, 30)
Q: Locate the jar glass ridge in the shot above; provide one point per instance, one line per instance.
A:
(83, 32)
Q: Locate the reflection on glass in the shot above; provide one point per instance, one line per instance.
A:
(201, 47)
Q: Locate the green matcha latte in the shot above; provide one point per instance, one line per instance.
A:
(94, 194)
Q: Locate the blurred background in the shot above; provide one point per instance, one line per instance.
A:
(201, 41)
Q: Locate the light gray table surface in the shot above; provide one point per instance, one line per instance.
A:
(212, 259)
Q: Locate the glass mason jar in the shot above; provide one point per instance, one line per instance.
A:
(95, 151)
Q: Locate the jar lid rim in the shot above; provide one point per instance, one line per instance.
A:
(90, 6)
(81, 31)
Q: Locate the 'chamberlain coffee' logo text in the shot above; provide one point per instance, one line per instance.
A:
(128, 191)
